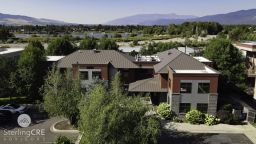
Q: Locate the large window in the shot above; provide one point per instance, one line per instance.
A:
(96, 75)
(185, 87)
(84, 75)
(203, 88)
(185, 107)
(202, 107)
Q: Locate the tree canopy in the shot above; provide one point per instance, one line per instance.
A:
(113, 117)
(88, 44)
(61, 94)
(30, 71)
(60, 46)
(228, 60)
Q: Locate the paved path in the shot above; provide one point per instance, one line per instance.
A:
(246, 129)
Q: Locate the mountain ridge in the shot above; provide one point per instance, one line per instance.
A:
(231, 18)
(17, 20)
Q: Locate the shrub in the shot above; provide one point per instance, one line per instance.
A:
(227, 107)
(211, 120)
(177, 119)
(62, 140)
(195, 117)
(225, 116)
(165, 111)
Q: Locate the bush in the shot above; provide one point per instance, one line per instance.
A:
(177, 119)
(195, 117)
(225, 116)
(211, 120)
(62, 140)
(227, 107)
(165, 111)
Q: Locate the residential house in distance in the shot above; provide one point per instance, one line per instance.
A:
(170, 76)
(182, 81)
(248, 50)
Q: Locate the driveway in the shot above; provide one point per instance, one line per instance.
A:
(217, 134)
(13, 134)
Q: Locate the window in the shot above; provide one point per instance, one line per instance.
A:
(202, 107)
(96, 75)
(185, 87)
(84, 75)
(185, 107)
(203, 88)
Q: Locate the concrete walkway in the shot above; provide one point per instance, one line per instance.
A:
(246, 129)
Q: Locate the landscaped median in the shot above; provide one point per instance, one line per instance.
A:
(64, 127)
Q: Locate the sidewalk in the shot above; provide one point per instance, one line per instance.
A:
(247, 129)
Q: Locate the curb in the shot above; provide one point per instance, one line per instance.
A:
(54, 130)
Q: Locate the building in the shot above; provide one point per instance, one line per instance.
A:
(182, 81)
(11, 52)
(170, 76)
(103, 64)
(248, 50)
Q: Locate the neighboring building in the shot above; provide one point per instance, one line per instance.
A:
(11, 52)
(183, 82)
(248, 50)
(103, 64)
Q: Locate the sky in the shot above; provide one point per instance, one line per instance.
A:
(102, 11)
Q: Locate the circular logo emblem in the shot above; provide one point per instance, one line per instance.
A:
(24, 120)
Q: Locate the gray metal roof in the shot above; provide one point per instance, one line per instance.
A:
(147, 85)
(177, 60)
(117, 59)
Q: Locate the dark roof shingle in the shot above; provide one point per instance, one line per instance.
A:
(117, 59)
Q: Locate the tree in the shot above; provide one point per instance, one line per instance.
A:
(88, 44)
(30, 72)
(62, 94)
(228, 60)
(7, 66)
(113, 117)
(4, 34)
(107, 44)
(60, 46)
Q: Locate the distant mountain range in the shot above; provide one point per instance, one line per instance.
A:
(238, 17)
(16, 20)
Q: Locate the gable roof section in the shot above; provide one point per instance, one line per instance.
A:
(147, 85)
(117, 59)
(180, 62)
(165, 57)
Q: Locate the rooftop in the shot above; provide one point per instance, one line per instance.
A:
(4, 51)
(117, 59)
(180, 62)
(147, 85)
(54, 58)
(203, 59)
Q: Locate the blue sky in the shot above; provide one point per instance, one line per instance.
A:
(101, 11)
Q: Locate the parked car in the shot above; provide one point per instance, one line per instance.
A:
(5, 116)
(13, 108)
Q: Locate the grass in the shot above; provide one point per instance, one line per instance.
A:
(19, 100)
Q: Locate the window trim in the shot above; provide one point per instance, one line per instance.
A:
(190, 92)
(198, 88)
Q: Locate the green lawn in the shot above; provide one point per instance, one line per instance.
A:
(19, 100)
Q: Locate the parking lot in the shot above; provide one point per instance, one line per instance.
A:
(13, 134)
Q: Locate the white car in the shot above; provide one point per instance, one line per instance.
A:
(13, 108)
